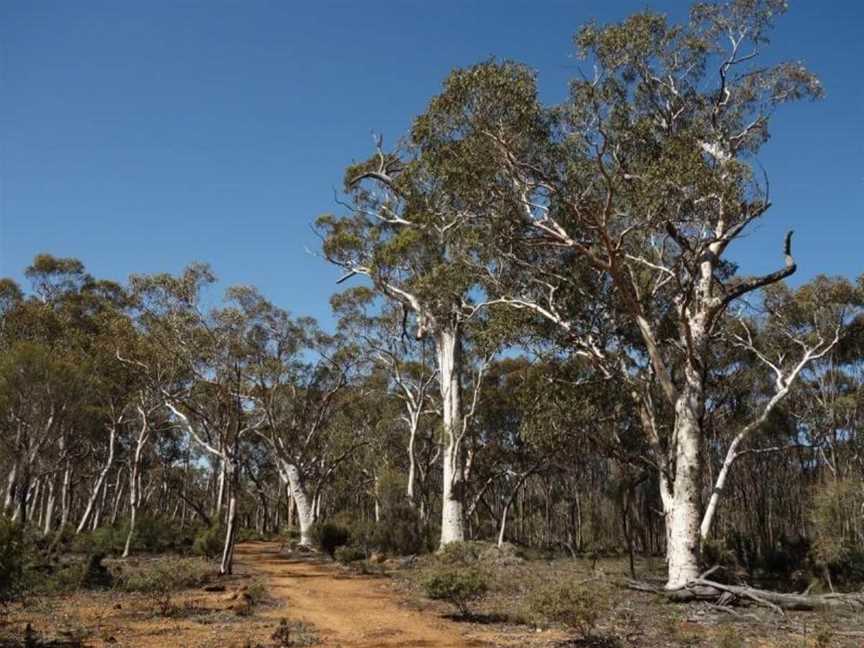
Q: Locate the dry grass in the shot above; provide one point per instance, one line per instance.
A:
(627, 618)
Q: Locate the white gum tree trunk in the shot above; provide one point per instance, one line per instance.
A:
(414, 422)
(49, 505)
(100, 481)
(683, 514)
(305, 511)
(228, 549)
(449, 350)
(135, 482)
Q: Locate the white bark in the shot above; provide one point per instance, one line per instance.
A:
(135, 480)
(66, 495)
(9, 500)
(100, 480)
(220, 491)
(305, 512)
(228, 549)
(49, 506)
(682, 513)
(449, 351)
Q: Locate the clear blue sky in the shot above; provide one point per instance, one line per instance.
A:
(141, 136)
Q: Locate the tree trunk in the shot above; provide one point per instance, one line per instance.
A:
(448, 345)
(97, 488)
(682, 508)
(135, 488)
(305, 511)
(228, 549)
(11, 482)
(66, 495)
(134, 498)
(220, 491)
(49, 506)
(412, 460)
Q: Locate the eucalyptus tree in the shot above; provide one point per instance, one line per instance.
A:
(414, 241)
(639, 183)
(407, 364)
(51, 349)
(297, 376)
(204, 381)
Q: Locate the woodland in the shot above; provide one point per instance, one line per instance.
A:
(542, 349)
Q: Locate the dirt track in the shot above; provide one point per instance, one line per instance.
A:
(348, 610)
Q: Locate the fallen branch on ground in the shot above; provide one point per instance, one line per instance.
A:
(703, 589)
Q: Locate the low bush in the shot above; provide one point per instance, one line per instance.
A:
(460, 553)
(399, 531)
(108, 541)
(329, 536)
(291, 634)
(94, 574)
(567, 604)
(459, 587)
(166, 575)
(12, 554)
(349, 554)
(209, 541)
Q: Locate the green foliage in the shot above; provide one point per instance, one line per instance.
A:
(399, 531)
(210, 541)
(349, 554)
(568, 604)
(834, 504)
(457, 586)
(152, 535)
(329, 536)
(12, 555)
(165, 575)
(460, 553)
(95, 575)
(105, 540)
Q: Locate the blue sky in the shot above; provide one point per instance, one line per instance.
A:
(141, 136)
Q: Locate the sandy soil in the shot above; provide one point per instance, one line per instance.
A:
(349, 610)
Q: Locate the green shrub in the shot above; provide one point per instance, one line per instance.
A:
(460, 553)
(12, 554)
(94, 574)
(166, 575)
(567, 604)
(349, 554)
(250, 535)
(162, 535)
(210, 541)
(458, 587)
(399, 531)
(107, 540)
(329, 536)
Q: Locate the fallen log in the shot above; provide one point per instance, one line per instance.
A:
(703, 589)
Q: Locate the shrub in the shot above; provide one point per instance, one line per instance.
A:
(458, 587)
(95, 575)
(250, 535)
(349, 554)
(107, 541)
(330, 536)
(573, 606)
(294, 633)
(166, 575)
(210, 541)
(460, 553)
(399, 531)
(12, 553)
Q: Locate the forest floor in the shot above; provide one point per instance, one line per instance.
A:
(278, 600)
